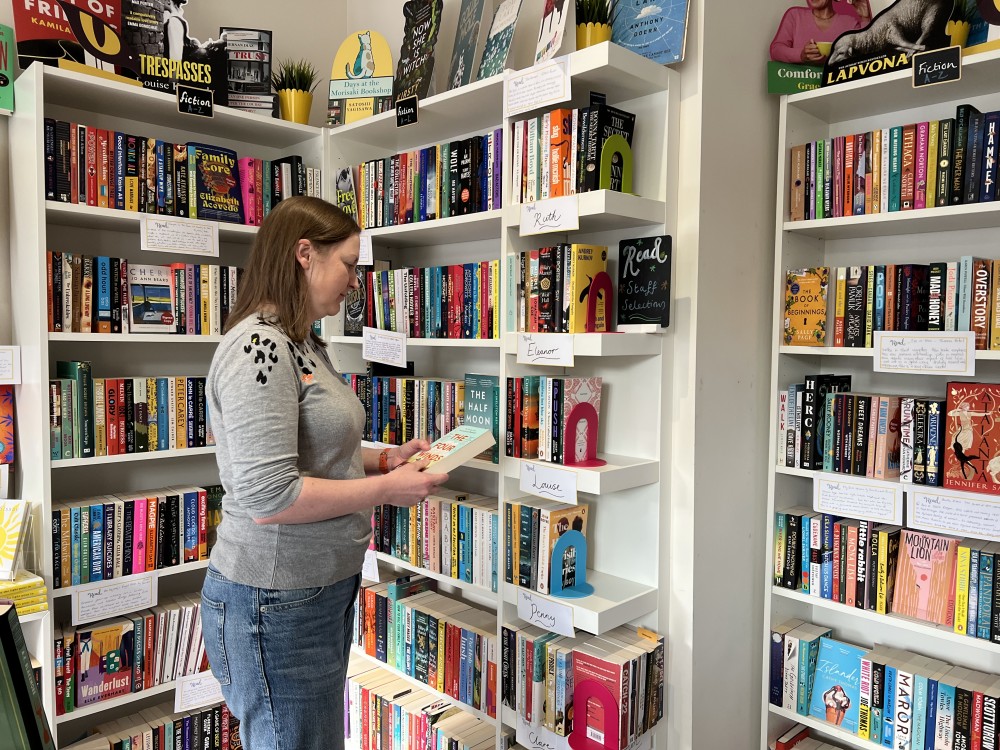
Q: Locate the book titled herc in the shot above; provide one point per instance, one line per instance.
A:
(454, 449)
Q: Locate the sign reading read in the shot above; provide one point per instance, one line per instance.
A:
(951, 353)
(539, 86)
(387, 347)
(406, 112)
(859, 498)
(950, 512)
(176, 234)
(196, 691)
(193, 101)
(937, 66)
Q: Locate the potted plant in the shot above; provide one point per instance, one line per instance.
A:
(294, 80)
(593, 21)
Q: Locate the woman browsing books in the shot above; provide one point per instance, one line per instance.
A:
(277, 604)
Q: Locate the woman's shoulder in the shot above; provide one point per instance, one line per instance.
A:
(257, 336)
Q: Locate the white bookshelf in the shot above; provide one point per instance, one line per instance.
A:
(625, 576)
(38, 225)
(933, 234)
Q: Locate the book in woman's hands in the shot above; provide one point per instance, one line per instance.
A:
(454, 449)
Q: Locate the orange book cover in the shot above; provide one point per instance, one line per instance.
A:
(972, 437)
(560, 140)
(925, 577)
(797, 186)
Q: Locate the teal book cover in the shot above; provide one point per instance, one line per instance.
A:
(498, 43)
(470, 39)
(482, 409)
(6, 69)
(655, 30)
(837, 685)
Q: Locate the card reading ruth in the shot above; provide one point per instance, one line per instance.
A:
(454, 449)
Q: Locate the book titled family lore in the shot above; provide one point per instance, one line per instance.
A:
(972, 438)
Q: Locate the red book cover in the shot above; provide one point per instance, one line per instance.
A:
(455, 309)
(152, 523)
(590, 662)
(838, 176)
(920, 166)
(485, 279)
(977, 720)
(972, 434)
(149, 631)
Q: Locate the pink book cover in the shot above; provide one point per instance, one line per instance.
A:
(248, 190)
(578, 391)
(925, 577)
(202, 523)
(190, 312)
(920, 168)
(139, 536)
(6, 424)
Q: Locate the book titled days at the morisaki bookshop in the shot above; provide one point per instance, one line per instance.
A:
(454, 449)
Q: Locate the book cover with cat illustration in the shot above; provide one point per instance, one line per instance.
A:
(361, 79)
(415, 68)
(500, 36)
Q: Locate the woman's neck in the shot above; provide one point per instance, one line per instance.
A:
(824, 14)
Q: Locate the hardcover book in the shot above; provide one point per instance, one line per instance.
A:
(498, 43)
(586, 262)
(217, 183)
(806, 306)
(972, 434)
(150, 299)
(249, 61)
(925, 577)
(644, 282)
(656, 31)
(470, 40)
(414, 71)
(837, 684)
(104, 661)
(22, 716)
(454, 449)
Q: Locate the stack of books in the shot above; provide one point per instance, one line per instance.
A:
(27, 592)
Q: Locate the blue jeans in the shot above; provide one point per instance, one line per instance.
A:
(281, 658)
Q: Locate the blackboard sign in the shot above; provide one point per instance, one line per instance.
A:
(192, 101)
(644, 282)
(406, 112)
(937, 66)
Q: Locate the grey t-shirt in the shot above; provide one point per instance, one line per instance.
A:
(280, 413)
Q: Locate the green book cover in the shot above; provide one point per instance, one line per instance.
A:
(6, 69)
(482, 409)
(83, 412)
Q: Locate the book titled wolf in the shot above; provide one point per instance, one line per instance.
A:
(217, 183)
(644, 282)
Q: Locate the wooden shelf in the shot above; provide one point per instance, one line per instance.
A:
(603, 211)
(125, 700)
(615, 601)
(357, 653)
(132, 338)
(457, 583)
(100, 96)
(483, 225)
(893, 92)
(126, 457)
(600, 344)
(111, 219)
(161, 573)
(619, 473)
(823, 727)
(421, 342)
(902, 623)
(923, 220)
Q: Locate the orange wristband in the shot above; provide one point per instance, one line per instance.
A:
(383, 461)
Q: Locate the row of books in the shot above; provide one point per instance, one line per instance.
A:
(92, 417)
(921, 165)
(889, 696)
(552, 288)
(27, 592)
(532, 528)
(936, 442)
(540, 413)
(100, 294)
(450, 532)
(961, 295)
(383, 710)
(111, 169)
(541, 669)
(211, 728)
(450, 302)
(449, 179)
(441, 642)
(561, 152)
(98, 539)
(124, 655)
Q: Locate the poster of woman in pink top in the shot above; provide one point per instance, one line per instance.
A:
(806, 33)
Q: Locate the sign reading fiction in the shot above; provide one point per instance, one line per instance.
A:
(194, 101)
(937, 66)
(406, 112)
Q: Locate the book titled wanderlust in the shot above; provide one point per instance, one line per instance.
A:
(454, 449)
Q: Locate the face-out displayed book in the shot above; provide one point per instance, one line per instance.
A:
(23, 725)
(454, 449)
(925, 577)
(836, 689)
(972, 431)
(14, 517)
(415, 69)
(498, 43)
(470, 39)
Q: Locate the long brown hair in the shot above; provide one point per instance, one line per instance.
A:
(273, 278)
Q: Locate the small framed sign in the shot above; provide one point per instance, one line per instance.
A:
(406, 112)
(937, 66)
(195, 101)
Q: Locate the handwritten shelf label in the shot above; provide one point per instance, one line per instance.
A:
(10, 365)
(406, 112)
(549, 482)
(387, 347)
(365, 257)
(937, 66)
(369, 567)
(554, 349)
(196, 691)
(857, 498)
(119, 596)
(540, 86)
(195, 101)
(538, 737)
(551, 215)
(952, 512)
(175, 234)
(922, 353)
(545, 613)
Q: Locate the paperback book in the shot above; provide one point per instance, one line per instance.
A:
(415, 69)
(925, 577)
(454, 449)
(973, 434)
(498, 43)
(151, 300)
(837, 686)
(470, 40)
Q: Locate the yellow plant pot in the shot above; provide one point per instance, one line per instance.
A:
(294, 105)
(958, 31)
(589, 34)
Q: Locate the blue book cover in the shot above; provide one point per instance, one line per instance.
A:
(972, 614)
(495, 547)
(889, 706)
(804, 534)
(963, 321)
(463, 683)
(837, 684)
(930, 723)
(986, 564)
(103, 324)
(96, 543)
(879, 298)
(655, 31)
(162, 415)
(918, 721)
(826, 574)
(190, 525)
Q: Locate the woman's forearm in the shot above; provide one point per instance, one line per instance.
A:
(323, 499)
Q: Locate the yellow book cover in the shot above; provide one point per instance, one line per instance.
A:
(36, 602)
(875, 205)
(416, 537)
(962, 588)
(205, 305)
(151, 406)
(586, 262)
(806, 306)
(453, 563)
(23, 584)
(933, 134)
(361, 78)
(840, 306)
(180, 411)
(495, 297)
(13, 526)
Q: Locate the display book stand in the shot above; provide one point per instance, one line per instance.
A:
(37, 226)
(621, 485)
(917, 236)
